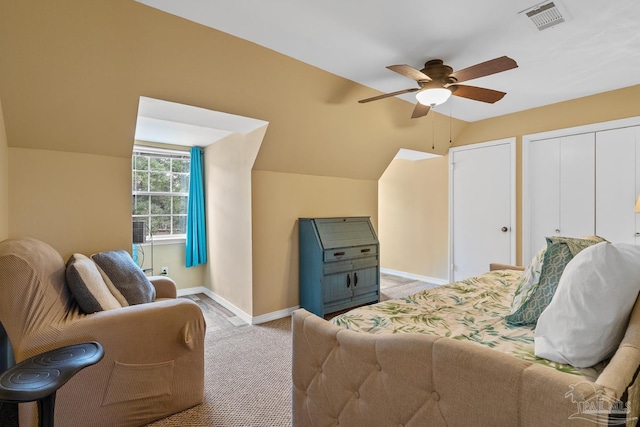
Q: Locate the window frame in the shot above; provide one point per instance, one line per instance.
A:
(163, 153)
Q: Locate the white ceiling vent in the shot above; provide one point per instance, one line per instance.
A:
(546, 15)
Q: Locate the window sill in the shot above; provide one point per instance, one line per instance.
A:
(158, 241)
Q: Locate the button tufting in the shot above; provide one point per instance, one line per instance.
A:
(435, 396)
(320, 370)
(378, 367)
(357, 395)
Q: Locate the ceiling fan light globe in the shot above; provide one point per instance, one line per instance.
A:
(433, 97)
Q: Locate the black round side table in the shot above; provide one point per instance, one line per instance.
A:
(39, 377)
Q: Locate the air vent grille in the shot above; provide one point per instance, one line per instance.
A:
(545, 16)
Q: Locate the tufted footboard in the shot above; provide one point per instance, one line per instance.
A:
(342, 377)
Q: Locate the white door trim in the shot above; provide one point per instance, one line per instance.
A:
(526, 158)
(512, 142)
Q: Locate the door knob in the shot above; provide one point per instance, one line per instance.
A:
(504, 229)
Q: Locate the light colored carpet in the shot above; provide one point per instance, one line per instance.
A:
(247, 379)
(248, 371)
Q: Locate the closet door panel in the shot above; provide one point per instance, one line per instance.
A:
(544, 192)
(616, 186)
(577, 182)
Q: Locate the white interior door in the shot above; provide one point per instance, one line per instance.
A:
(482, 207)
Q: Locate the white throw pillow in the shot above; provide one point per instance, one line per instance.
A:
(589, 313)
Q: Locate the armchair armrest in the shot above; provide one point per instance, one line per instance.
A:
(165, 286)
(132, 333)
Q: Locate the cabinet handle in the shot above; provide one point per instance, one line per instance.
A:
(338, 253)
(557, 230)
(355, 279)
(365, 250)
(348, 280)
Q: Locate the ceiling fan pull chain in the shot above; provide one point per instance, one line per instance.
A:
(450, 122)
(433, 128)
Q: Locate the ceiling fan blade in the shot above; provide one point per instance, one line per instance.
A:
(410, 72)
(420, 110)
(477, 93)
(487, 68)
(387, 95)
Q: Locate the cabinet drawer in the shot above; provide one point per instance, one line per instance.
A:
(347, 253)
(365, 262)
(337, 267)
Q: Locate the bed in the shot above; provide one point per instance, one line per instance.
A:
(445, 356)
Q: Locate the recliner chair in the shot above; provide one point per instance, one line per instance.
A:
(154, 353)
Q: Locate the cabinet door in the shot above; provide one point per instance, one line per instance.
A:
(617, 184)
(544, 192)
(365, 281)
(337, 287)
(577, 185)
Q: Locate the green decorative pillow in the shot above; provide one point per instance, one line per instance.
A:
(559, 251)
(528, 281)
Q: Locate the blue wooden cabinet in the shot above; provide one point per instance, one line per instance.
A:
(339, 264)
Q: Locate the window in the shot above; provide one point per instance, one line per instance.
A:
(160, 189)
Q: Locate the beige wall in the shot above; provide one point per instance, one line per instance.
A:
(228, 164)
(75, 202)
(278, 200)
(413, 217)
(172, 256)
(4, 181)
(71, 74)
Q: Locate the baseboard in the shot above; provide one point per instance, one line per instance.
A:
(433, 280)
(247, 318)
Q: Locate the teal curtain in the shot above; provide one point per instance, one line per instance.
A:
(196, 228)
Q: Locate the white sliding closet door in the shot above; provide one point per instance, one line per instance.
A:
(617, 184)
(561, 189)
(544, 193)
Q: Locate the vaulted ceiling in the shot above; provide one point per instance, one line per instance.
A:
(596, 49)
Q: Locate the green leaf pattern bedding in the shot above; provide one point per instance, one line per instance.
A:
(472, 310)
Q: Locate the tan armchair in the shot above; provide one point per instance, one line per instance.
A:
(154, 353)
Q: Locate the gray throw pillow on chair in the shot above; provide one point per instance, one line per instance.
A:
(124, 278)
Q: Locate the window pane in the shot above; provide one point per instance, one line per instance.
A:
(180, 165)
(160, 173)
(140, 205)
(180, 183)
(160, 205)
(141, 163)
(179, 224)
(160, 225)
(180, 205)
(140, 181)
(160, 181)
(160, 164)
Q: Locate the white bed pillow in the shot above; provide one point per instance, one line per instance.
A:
(589, 313)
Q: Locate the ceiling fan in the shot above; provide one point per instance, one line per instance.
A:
(437, 81)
